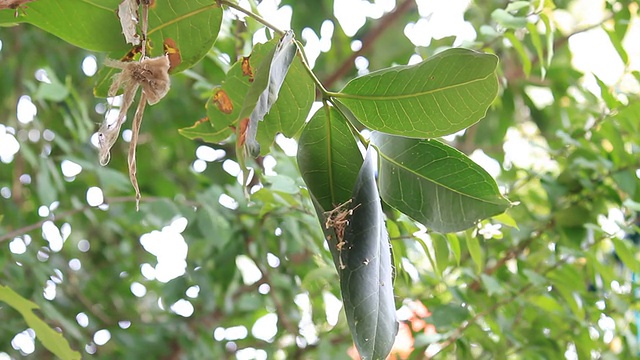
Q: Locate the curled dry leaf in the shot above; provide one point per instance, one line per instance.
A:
(246, 68)
(172, 51)
(128, 15)
(222, 101)
(153, 76)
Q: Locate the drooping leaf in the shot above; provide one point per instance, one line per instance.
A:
(328, 158)
(435, 184)
(265, 88)
(442, 95)
(367, 278)
(50, 338)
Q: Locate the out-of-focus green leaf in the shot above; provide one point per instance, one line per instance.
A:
(627, 254)
(522, 52)
(50, 338)
(435, 184)
(454, 244)
(477, 255)
(442, 251)
(328, 158)
(507, 20)
(430, 99)
(537, 44)
(606, 94)
(366, 280)
(549, 38)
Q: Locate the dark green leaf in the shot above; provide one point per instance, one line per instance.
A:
(442, 95)
(366, 280)
(328, 158)
(51, 339)
(435, 184)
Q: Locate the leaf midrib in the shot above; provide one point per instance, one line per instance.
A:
(406, 96)
(399, 165)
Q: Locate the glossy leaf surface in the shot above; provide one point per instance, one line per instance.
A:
(328, 158)
(435, 184)
(367, 279)
(442, 95)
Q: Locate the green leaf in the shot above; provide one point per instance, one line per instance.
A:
(627, 254)
(50, 338)
(203, 130)
(90, 25)
(328, 158)
(549, 38)
(367, 280)
(522, 52)
(442, 251)
(454, 244)
(435, 184)
(507, 20)
(477, 255)
(265, 88)
(537, 44)
(287, 115)
(442, 95)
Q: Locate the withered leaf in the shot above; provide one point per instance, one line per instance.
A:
(222, 101)
(128, 15)
(246, 68)
(172, 51)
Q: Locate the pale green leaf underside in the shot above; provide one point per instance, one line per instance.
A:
(442, 95)
(435, 184)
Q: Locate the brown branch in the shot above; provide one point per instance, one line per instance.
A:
(369, 39)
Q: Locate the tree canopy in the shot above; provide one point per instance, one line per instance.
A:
(319, 180)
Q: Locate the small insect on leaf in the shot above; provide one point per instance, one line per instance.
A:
(17, 5)
(128, 15)
(246, 68)
(338, 219)
(222, 101)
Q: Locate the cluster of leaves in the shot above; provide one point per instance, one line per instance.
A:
(544, 289)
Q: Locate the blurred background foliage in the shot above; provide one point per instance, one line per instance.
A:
(200, 273)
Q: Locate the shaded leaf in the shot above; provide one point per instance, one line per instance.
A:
(367, 280)
(265, 87)
(328, 158)
(444, 94)
(435, 184)
(50, 338)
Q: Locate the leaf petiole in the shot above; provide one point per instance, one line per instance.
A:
(255, 16)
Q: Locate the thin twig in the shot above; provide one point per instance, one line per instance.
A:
(256, 17)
